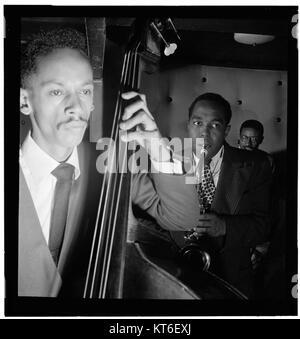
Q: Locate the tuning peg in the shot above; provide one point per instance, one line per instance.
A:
(170, 48)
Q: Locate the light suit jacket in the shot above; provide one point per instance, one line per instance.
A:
(165, 197)
(37, 273)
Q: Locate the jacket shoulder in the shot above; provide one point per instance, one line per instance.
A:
(257, 156)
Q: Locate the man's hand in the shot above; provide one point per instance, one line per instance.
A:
(256, 259)
(141, 127)
(210, 224)
(258, 254)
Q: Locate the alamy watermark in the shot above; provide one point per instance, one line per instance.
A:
(173, 156)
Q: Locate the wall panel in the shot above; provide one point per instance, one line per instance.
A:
(253, 94)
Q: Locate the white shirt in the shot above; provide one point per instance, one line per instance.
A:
(37, 166)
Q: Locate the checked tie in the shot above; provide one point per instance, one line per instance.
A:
(206, 188)
(64, 174)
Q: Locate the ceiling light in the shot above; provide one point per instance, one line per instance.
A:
(252, 39)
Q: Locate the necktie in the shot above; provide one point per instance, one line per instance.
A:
(64, 174)
(206, 188)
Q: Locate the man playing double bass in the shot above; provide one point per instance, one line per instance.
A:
(57, 179)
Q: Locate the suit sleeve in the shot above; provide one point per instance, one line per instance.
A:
(250, 225)
(168, 199)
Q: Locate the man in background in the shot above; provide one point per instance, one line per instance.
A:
(252, 136)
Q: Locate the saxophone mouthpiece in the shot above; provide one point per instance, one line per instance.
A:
(204, 151)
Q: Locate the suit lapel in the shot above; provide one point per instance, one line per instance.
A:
(231, 184)
(37, 273)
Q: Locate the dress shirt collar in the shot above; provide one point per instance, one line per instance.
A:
(215, 159)
(41, 164)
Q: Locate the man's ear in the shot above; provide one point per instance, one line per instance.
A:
(25, 106)
(227, 130)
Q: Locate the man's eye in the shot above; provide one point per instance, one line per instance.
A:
(215, 125)
(56, 92)
(86, 92)
(197, 123)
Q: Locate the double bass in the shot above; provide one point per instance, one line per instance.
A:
(124, 261)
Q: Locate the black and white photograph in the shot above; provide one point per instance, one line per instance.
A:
(150, 161)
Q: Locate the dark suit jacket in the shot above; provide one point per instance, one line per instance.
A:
(242, 199)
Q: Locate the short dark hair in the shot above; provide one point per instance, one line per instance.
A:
(43, 43)
(218, 100)
(255, 124)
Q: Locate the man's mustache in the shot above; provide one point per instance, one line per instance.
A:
(81, 119)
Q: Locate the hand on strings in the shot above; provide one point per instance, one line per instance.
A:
(140, 125)
(210, 224)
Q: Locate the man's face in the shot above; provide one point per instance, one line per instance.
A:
(250, 139)
(207, 121)
(60, 99)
